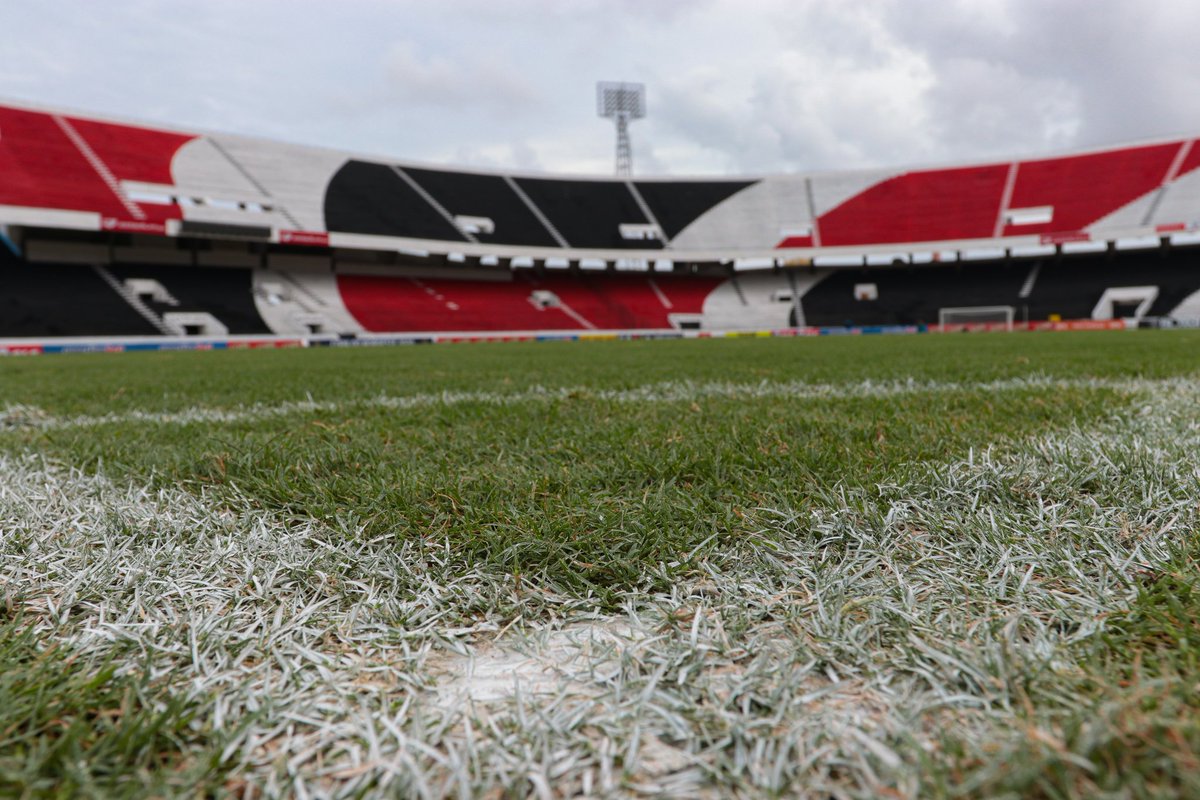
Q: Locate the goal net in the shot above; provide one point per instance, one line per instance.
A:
(976, 317)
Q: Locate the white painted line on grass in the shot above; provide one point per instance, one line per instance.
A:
(826, 651)
(24, 416)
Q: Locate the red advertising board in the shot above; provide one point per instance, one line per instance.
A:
(133, 226)
(1065, 236)
(308, 238)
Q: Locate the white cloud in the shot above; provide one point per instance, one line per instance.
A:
(455, 81)
(734, 86)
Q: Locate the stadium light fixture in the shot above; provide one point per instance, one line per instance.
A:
(622, 103)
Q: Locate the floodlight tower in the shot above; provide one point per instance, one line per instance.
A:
(622, 102)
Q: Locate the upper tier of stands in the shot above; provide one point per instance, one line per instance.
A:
(588, 213)
(929, 206)
(374, 198)
(138, 179)
(677, 204)
(977, 202)
(58, 162)
(487, 196)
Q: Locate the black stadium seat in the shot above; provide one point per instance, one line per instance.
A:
(485, 196)
(374, 199)
(912, 296)
(226, 293)
(677, 204)
(588, 213)
(62, 300)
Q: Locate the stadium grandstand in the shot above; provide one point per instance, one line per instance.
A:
(114, 230)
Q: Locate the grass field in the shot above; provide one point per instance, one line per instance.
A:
(859, 567)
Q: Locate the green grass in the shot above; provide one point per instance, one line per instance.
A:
(585, 495)
(95, 384)
(938, 565)
(1134, 726)
(74, 727)
(581, 492)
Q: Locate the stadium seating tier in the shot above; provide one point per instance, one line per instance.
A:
(375, 199)
(52, 161)
(487, 196)
(530, 302)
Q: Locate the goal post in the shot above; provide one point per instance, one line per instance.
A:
(983, 317)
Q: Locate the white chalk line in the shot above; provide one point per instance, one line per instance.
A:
(26, 416)
(313, 618)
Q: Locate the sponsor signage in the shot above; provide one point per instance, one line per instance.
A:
(1080, 325)
(309, 238)
(1065, 236)
(133, 226)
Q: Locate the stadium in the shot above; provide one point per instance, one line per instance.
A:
(699, 491)
(118, 230)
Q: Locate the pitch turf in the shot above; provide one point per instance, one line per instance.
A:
(930, 566)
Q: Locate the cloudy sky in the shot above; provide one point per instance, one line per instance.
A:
(733, 86)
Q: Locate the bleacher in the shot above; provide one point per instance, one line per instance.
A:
(1071, 187)
(226, 294)
(384, 304)
(677, 204)
(1036, 289)
(588, 214)
(317, 241)
(613, 302)
(124, 177)
(41, 167)
(530, 301)
(52, 300)
(373, 198)
(1070, 288)
(912, 296)
(930, 206)
(487, 196)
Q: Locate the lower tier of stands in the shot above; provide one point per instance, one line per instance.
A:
(62, 300)
(39, 300)
(224, 293)
(1067, 288)
(50, 300)
(528, 301)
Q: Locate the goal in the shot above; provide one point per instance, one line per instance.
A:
(988, 317)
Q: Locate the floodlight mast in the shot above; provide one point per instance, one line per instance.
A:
(622, 103)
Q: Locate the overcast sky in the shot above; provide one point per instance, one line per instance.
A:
(733, 86)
